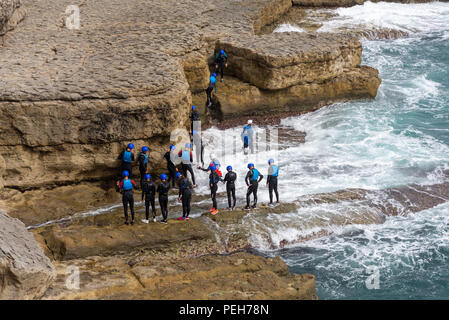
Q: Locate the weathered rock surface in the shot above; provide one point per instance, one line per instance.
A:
(11, 13)
(25, 272)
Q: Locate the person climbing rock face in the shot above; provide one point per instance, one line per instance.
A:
(214, 178)
(185, 195)
(252, 179)
(127, 157)
(163, 190)
(210, 88)
(272, 180)
(247, 137)
(194, 116)
(168, 156)
(142, 158)
(230, 179)
(221, 61)
(148, 194)
(126, 188)
(186, 161)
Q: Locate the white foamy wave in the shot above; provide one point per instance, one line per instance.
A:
(422, 17)
(286, 27)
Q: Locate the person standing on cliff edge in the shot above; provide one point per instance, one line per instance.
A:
(126, 188)
(221, 61)
(127, 157)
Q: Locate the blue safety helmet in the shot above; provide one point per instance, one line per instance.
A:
(188, 145)
(178, 174)
(147, 176)
(194, 132)
(214, 75)
(131, 146)
(221, 51)
(193, 107)
(172, 147)
(213, 168)
(145, 149)
(229, 168)
(213, 80)
(271, 161)
(250, 165)
(163, 176)
(125, 173)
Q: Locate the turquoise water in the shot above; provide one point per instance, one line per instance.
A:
(400, 138)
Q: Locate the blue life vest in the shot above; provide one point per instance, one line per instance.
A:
(126, 156)
(186, 156)
(275, 171)
(255, 174)
(127, 185)
(146, 158)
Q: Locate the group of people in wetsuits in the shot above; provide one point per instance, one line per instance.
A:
(149, 189)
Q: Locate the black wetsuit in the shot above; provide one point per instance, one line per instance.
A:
(272, 181)
(142, 167)
(252, 181)
(230, 178)
(194, 116)
(171, 168)
(126, 165)
(128, 197)
(163, 189)
(148, 193)
(214, 178)
(187, 166)
(220, 61)
(185, 194)
(209, 90)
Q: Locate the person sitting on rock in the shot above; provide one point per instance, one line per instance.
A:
(126, 188)
(127, 157)
(186, 161)
(230, 179)
(252, 179)
(148, 193)
(221, 61)
(210, 88)
(185, 195)
(143, 164)
(163, 190)
(214, 178)
(272, 180)
(169, 155)
(247, 137)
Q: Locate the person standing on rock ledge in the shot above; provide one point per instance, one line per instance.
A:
(252, 179)
(163, 189)
(127, 157)
(214, 178)
(169, 155)
(229, 179)
(126, 188)
(221, 61)
(185, 195)
(272, 180)
(186, 161)
(143, 164)
(148, 193)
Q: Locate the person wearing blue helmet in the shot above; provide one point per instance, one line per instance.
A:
(221, 61)
(127, 157)
(212, 85)
(247, 137)
(252, 179)
(142, 158)
(163, 190)
(230, 179)
(214, 178)
(148, 194)
(184, 195)
(186, 161)
(126, 189)
(272, 180)
(169, 156)
(194, 119)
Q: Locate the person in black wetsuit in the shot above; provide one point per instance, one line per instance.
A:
(186, 161)
(214, 178)
(126, 188)
(143, 164)
(252, 179)
(221, 61)
(194, 116)
(272, 180)
(127, 157)
(212, 85)
(185, 195)
(229, 179)
(163, 189)
(148, 193)
(169, 155)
